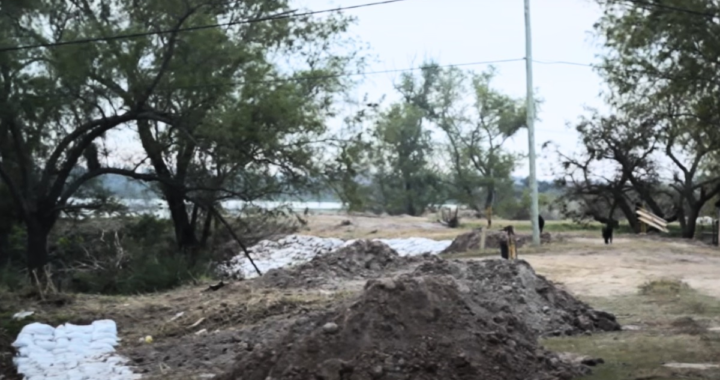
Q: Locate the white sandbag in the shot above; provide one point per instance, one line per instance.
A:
(76, 374)
(105, 325)
(62, 342)
(84, 329)
(47, 345)
(37, 328)
(101, 348)
(108, 341)
(103, 335)
(23, 340)
(71, 352)
(117, 360)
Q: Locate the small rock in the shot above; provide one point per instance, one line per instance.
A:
(592, 362)
(330, 328)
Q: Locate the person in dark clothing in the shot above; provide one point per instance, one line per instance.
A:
(607, 233)
(504, 249)
(541, 223)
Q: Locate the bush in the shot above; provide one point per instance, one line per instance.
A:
(107, 256)
(138, 256)
(144, 272)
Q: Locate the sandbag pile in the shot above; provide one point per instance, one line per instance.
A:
(70, 352)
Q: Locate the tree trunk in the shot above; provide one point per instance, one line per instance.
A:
(207, 229)
(630, 215)
(37, 243)
(688, 231)
(184, 231)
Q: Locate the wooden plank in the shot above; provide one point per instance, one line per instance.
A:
(652, 217)
(653, 224)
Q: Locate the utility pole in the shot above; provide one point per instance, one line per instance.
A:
(534, 212)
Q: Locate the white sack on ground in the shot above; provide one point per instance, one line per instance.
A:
(70, 352)
(298, 249)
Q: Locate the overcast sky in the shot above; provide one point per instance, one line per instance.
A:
(402, 35)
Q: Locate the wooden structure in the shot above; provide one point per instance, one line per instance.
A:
(649, 219)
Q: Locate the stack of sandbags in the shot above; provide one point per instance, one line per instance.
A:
(70, 352)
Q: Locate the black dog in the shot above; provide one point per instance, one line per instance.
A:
(541, 222)
(607, 233)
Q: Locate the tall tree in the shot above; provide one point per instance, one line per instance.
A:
(662, 68)
(476, 132)
(51, 114)
(405, 182)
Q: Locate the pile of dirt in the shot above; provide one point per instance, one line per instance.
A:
(515, 288)
(406, 328)
(470, 241)
(363, 259)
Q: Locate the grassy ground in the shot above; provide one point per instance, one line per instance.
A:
(675, 323)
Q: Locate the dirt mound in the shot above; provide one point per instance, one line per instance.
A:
(514, 287)
(470, 241)
(362, 259)
(405, 328)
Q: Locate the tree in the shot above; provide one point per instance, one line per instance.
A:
(476, 129)
(615, 170)
(662, 68)
(405, 182)
(189, 95)
(52, 113)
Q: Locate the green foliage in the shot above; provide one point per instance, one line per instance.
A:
(404, 180)
(662, 140)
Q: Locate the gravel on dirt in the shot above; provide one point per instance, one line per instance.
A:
(515, 287)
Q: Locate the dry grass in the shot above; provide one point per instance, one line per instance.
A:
(363, 226)
(673, 319)
(234, 305)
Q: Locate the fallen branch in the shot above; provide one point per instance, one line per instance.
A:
(237, 239)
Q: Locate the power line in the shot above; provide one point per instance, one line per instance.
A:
(341, 75)
(281, 16)
(562, 63)
(331, 76)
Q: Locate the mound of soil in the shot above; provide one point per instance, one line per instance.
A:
(406, 328)
(362, 259)
(515, 288)
(470, 241)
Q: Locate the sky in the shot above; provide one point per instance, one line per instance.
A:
(401, 35)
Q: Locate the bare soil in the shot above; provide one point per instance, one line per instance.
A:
(443, 311)
(595, 269)
(406, 328)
